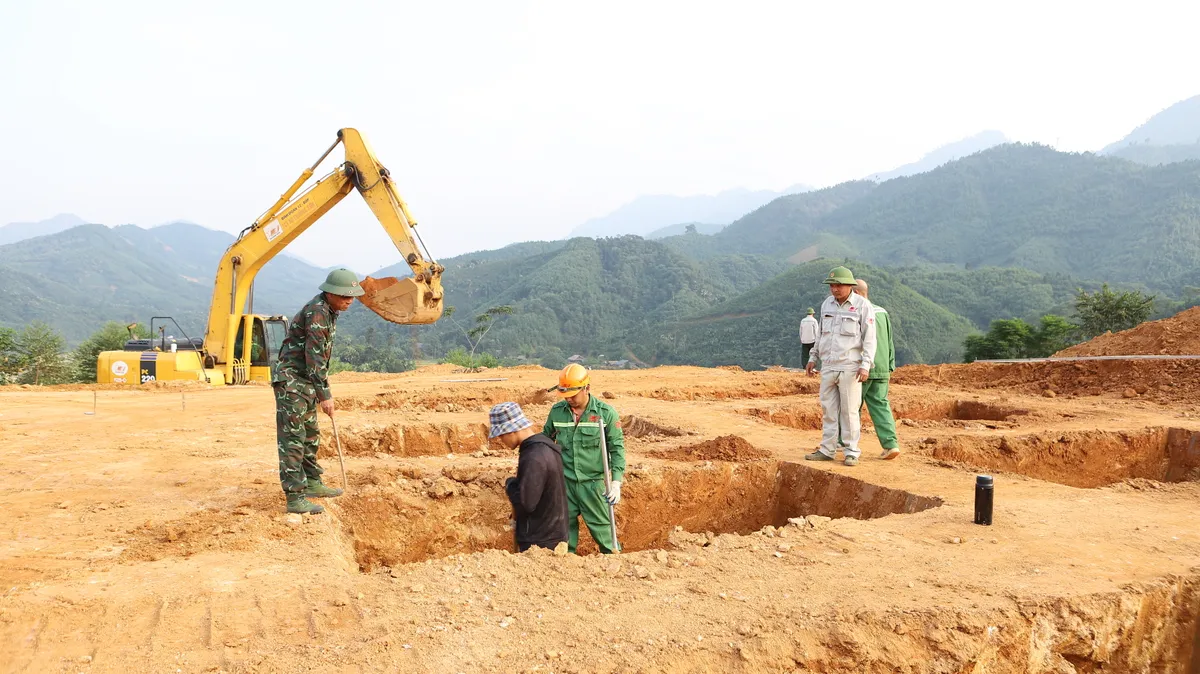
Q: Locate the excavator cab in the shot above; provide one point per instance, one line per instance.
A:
(256, 348)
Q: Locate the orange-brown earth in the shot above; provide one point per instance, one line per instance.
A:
(150, 538)
(1176, 335)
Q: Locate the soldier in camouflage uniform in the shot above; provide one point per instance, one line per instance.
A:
(301, 384)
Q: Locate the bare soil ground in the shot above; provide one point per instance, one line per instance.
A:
(150, 538)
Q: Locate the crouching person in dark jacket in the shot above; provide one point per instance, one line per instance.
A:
(538, 493)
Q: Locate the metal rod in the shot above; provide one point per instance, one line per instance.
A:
(323, 156)
(612, 513)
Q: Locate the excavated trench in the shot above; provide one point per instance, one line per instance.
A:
(1080, 458)
(438, 439)
(406, 516)
(448, 399)
(410, 439)
(807, 416)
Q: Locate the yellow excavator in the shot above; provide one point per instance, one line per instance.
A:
(240, 346)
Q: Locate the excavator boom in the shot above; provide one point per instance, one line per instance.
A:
(411, 300)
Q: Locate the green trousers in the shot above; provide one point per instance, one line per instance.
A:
(875, 397)
(586, 499)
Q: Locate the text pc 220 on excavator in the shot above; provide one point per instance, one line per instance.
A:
(240, 346)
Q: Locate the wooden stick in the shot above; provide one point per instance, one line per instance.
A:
(341, 459)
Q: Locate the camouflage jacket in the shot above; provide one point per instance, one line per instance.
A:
(304, 357)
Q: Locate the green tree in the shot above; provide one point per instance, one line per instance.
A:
(111, 337)
(10, 358)
(1053, 335)
(370, 353)
(40, 348)
(459, 356)
(1105, 310)
(483, 324)
(1005, 339)
(1014, 338)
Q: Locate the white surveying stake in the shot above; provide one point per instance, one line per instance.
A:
(612, 514)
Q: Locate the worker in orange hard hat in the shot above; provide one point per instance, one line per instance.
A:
(577, 423)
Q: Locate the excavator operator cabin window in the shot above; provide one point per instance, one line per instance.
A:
(258, 350)
(237, 342)
(276, 331)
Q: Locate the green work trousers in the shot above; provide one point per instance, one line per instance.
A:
(586, 499)
(875, 397)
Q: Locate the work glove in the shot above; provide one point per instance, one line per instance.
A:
(614, 493)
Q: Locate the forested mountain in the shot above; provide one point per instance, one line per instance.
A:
(1009, 232)
(759, 328)
(1172, 135)
(947, 153)
(78, 279)
(589, 296)
(986, 294)
(778, 228)
(19, 231)
(1014, 205)
(683, 228)
(1179, 124)
(1153, 155)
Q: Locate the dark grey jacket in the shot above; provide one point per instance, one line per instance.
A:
(538, 494)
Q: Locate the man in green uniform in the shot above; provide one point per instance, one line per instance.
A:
(875, 389)
(301, 383)
(574, 423)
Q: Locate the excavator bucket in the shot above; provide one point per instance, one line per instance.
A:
(401, 300)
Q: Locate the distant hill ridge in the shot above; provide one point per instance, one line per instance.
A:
(79, 278)
(1013, 205)
(648, 213)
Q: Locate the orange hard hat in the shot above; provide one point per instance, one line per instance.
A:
(572, 380)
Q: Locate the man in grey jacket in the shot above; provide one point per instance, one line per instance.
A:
(846, 351)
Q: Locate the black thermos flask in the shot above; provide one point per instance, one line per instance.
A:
(983, 499)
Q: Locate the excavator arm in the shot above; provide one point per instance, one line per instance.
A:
(411, 300)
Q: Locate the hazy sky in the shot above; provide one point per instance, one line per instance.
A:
(508, 121)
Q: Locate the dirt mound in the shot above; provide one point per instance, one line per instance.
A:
(1178, 335)
(637, 427)
(724, 448)
(1164, 381)
(1079, 458)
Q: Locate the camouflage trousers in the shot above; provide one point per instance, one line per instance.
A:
(297, 437)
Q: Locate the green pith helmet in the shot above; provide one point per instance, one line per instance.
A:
(342, 282)
(810, 311)
(840, 275)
